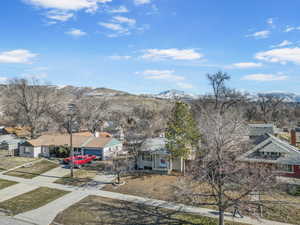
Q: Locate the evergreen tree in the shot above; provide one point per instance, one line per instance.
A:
(182, 133)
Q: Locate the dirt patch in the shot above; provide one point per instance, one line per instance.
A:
(33, 170)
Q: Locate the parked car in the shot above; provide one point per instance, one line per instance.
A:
(79, 160)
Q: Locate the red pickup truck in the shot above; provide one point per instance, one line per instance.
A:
(79, 160)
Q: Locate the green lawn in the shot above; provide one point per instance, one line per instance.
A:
(6, 183)
(95, 210)
(34, 170)
(31, 200)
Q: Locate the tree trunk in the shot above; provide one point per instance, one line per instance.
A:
(118, 178)
(183, 167)
(221, 217)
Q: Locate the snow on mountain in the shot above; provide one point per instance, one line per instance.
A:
(174, 94)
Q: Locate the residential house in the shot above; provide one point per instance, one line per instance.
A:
(270, 150)
(84, 144)
(154, 156)
(259, 129)
(11, 143)
(297, 130)
(21, 132)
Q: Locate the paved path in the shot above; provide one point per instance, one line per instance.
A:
(15, 190)
(46, 214)
(52, 175)
(7, 220)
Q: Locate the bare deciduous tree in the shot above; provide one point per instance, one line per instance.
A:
(28, 103)
(217, 178)
(269, 105)
(93, 114)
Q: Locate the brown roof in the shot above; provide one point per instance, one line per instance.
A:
(19, 131)
(100, 141)
(64, 139)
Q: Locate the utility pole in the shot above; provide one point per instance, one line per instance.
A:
(71, 108)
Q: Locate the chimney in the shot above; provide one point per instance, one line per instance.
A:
(293, 137)
(97, 134)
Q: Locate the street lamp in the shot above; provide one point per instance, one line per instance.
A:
(71, 113)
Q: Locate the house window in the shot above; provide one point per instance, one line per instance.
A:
(146, 157)
(163, 163)
(27, 150)
(287, 168)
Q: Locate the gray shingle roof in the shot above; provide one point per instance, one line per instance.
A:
(10, 139)
(261, 129)
(154, 145)
(269, 144)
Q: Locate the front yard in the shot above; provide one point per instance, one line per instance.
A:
(163, 187)
(9, 162)
(81, 177)
(6, 183)
(31, 200)
(95, 210)
(151, 186)
(33, 170)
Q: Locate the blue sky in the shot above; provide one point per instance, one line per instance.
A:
(147, 46)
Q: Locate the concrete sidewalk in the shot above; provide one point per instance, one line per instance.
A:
(46, 214)
(7, 220)
(15, 190)
(52, 175)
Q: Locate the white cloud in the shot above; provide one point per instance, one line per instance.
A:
(260, 34)
(115, 27)
(265, 77)
(126, 20)
(291, 28)
(246, 65)
(280, 55)
(17, 56)
(59, 15)
(270, 21)
(76, 32)
(121, 9)
(62, 10)
(89, 5)
(142, 2)
(283, 44)
(120, 57)
(172, 53)
(162, 75)
(184, 85)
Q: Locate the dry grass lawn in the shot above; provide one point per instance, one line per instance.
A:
(95, 210)
(162, 187)
(81, 177)
(33, 170)
(9, 162)
(6, 183)
(31, 200)
(150, 186)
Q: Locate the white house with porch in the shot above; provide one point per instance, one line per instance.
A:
(154, 156)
